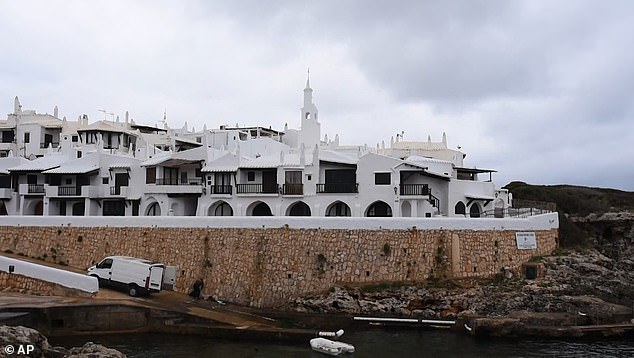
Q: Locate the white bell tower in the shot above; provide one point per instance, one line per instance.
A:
(310, 131)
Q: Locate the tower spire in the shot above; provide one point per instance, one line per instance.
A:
(308, 79)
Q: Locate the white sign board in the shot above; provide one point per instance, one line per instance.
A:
(526, 240)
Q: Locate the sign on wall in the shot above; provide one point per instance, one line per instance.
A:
(526, 240)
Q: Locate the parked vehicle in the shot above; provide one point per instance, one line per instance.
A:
(136, 276)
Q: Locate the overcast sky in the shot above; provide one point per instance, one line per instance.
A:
(542, 91)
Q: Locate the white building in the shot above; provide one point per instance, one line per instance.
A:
(52, 166)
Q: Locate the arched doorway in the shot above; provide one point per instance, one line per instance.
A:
(220, 208)
(460, 209)
(153, 210)
(474, 211)
(261, 209)
(298, 209)
(79, 209)
(379, 209)
(38, 209)
(338, 208)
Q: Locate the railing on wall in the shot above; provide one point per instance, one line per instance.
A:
(257, 188)
(339, 188)
(514, 212)
(178, 181)
(543, 205)
(221, 189)
(293, 189)
(36, 188)
(69, 191)
(415, 189)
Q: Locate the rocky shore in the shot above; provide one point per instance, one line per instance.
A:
(575, 288)
(14, 338)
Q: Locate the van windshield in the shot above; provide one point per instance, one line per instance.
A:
(105, 264)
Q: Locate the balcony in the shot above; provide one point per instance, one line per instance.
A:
(175, 186)
(53, 191)
(68, 191)
(31, 189)
(414, 189)
(6, 193)
(118, 191)
(293, 189)
(257, 188)
(338, 188)
(221, 189)
(177, 181)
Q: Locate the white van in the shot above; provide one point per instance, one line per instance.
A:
(137, 276)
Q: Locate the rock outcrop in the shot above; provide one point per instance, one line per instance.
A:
(578, 288)
(27, 338)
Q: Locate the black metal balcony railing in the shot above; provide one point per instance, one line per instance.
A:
(36, 188)
(178, 181)
(69, 191)
(257, 188)
(338, 188)
(115, 190)
(293, 189)
(415, 189)
(221, 189)
(45, 144)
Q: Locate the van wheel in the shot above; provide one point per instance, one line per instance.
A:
(133, 290)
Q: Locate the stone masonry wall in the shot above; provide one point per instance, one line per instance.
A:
(268, 266)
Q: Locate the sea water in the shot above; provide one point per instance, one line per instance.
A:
(369, 343)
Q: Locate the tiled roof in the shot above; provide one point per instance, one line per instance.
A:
(44, 163)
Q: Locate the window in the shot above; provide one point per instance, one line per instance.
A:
(250, 176)
(150, 175)
(69, 181)
(382, 178)
(79, 154)
(113, 208)
(105, 264)
(75, 138)
(27, 137)
(104, 180)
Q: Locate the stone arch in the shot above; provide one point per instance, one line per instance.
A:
(220, 208)
(406, 209)
(474, 210)
(298, 208)
(460, 209)
(259, 208)
(154, 209)
(338, 208)
(379, 209)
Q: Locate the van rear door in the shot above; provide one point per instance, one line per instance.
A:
(169, 278)
(156, 277)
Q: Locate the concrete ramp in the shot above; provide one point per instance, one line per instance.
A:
(50, 274)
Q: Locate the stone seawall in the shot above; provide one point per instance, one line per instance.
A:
(265, 267)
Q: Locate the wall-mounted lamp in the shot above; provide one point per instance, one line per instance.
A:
(395, 190)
